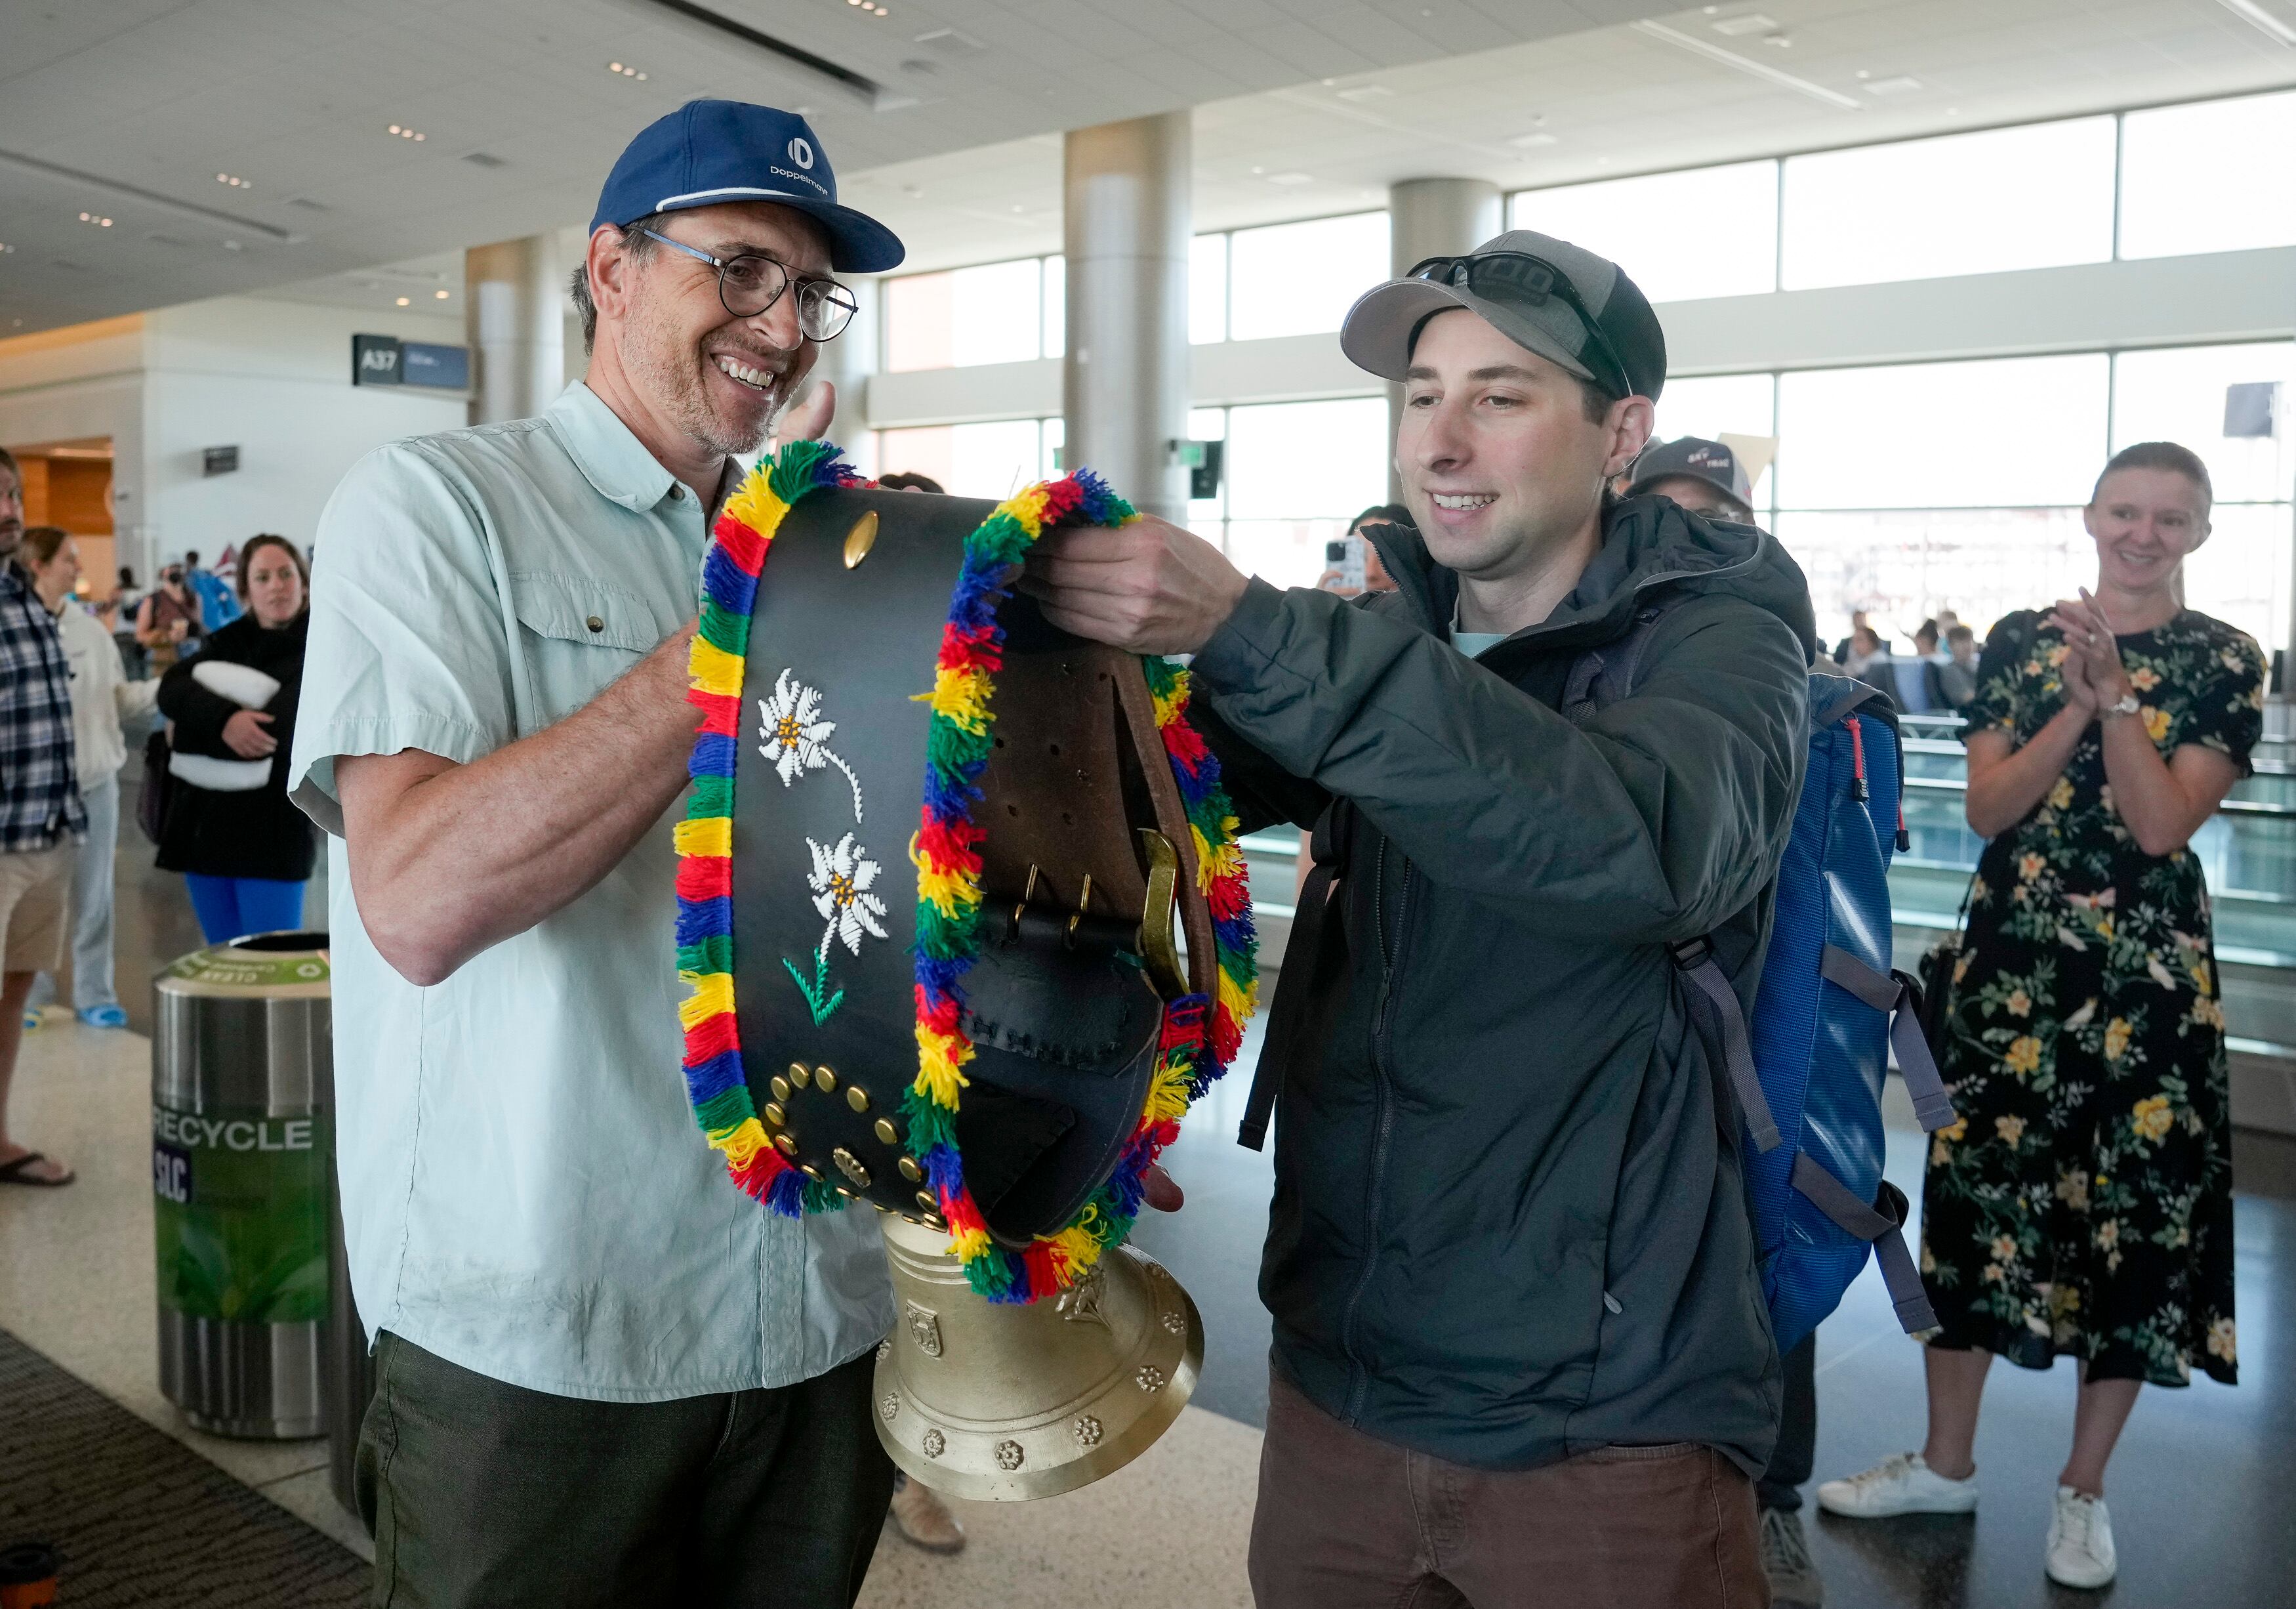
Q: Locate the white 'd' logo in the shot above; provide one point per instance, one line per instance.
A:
(800, 153)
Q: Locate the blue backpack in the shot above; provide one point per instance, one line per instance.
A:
(1806, 1077)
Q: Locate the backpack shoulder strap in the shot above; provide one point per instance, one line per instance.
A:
(1287, 1019)
(1603, 675)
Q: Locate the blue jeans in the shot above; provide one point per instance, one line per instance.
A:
(91, 904)
(232, 908)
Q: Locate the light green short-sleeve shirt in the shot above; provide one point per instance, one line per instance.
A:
(525, 1192)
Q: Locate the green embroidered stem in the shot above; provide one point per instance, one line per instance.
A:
(814, 990)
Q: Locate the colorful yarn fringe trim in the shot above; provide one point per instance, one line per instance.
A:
(713, 1076)
(1191, 1053)
(1200, 1035)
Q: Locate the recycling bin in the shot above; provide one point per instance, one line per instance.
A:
(242, 1167)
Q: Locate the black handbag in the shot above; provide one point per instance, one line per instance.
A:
(157, 790)
(1936, 967)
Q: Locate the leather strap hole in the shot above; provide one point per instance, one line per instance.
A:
(1011, 809)
(1055, 748)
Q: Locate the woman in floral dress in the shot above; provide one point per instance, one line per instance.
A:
(2082, 1203)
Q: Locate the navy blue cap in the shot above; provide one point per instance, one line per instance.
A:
(709, 152)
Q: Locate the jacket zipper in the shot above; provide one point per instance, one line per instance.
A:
(1384, 1117)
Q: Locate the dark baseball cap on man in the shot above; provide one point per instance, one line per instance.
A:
(709, 152)
(1619, 338)
(1697, 458)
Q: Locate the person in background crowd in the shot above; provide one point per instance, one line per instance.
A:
(903, 480)
(244, 852)
(1946, 620)
(2082, 1203)
(1913, 680)
(218, 607)
(40, 810)
(1958, 672)
(126, 601)
(1847, 648)
(1522, 1355)
(168, 626)
(102, 697)
(1704, 477)
(1335, 578)
(1862, 654)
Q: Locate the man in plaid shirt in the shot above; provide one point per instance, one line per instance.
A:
(40, 810)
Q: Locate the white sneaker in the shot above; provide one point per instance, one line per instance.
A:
(2080, 1541)
(1902, 1484)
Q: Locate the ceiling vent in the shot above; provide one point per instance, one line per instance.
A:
(949, 42)
(481, 159)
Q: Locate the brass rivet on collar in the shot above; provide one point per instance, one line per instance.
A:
(925, 1199)
(810, 1171)
(774, 1113)
(887, 1133)
(911, 1172)
(857, 1098)
(786, 1144)
(801, 1075)
(824, 1079)
(860, 539)
(781, 1087)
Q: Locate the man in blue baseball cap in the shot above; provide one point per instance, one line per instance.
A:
(603, 1374)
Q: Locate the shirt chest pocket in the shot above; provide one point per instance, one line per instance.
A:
(579, 634)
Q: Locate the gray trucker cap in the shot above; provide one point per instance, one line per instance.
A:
(1382, 326)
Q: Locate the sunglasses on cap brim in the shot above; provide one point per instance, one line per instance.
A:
(1519, 278)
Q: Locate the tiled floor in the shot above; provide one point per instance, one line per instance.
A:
(2198, 1491)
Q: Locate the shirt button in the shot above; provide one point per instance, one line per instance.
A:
(594, 623)
(676, 492)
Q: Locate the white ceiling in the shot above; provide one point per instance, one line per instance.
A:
(1303, 108)
(130, 109)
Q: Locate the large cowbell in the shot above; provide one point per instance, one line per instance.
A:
(1091, 898)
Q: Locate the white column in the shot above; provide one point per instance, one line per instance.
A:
(516, 327)
(848, 362)
(1433, 217)
(1125, 376)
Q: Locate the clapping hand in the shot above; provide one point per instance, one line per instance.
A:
(2092, 658)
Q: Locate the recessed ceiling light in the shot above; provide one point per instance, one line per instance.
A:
(403, 132)
(97, 219)
(402, 301)
(234, 180)
(627, 70)
(441, 295)
(1536, 137)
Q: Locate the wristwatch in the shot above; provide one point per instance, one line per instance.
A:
(2125, 705)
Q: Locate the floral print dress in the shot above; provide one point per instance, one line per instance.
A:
(2082, 1203)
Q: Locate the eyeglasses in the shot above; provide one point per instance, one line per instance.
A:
(1528, 281)
(747, 284)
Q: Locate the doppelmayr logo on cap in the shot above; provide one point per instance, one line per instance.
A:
(800, 152)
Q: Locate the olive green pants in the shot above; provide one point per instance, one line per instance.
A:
(480, 1493)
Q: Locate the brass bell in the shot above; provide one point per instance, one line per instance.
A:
(999, 1402)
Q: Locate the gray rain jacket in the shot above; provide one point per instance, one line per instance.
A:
(1507, 1227)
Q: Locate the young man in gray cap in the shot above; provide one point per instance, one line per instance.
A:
(1521, 1354)
(604, 1375)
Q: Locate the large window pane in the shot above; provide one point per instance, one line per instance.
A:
(2216, 177)
(1056, 306)
(1965, 203)
(2013, 430)
(1714, 405)
(2240, 574)
(1300, 279)
(1208, 290)
(1297, 472)
(996, 314)
(969, 459)
(1205, 514)
(920, 322)
(2179, 395)
(1903, 565)
(1709, 231)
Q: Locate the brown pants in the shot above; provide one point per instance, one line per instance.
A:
(1349, 1521)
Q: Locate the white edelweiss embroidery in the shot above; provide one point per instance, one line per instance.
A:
(796, 737)
(841, 882)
